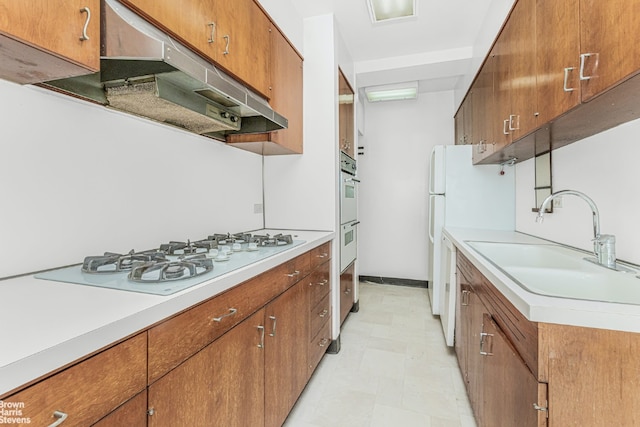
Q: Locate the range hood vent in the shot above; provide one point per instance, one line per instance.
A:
(145, 72)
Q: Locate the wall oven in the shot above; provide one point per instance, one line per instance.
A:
(348, 211)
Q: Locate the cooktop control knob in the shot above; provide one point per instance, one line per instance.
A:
(233, 119)
(224, 114)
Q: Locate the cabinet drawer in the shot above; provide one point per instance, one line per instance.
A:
(319, 315)
(131, 414)
(319, 283)
(466, 267)
(89, 390)
(320, 254)
(318, 346)
(197, 327)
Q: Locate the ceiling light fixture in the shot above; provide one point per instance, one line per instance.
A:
(384, 10)
(394, 92)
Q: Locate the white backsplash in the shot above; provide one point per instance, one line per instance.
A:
(605, 167)
(78, 179)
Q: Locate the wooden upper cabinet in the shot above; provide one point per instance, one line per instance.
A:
(233, 34)
(243, 42)
(522, 63)
(558, 52)
(46, 40)
(346, 115)
(286, 91)
(609, 35)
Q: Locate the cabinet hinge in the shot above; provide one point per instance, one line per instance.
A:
(541, 408)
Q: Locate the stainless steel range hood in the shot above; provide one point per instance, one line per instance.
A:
(145, 72)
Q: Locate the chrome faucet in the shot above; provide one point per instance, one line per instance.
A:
(603, 244)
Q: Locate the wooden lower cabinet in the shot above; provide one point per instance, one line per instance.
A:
(522, 373)
(131, 414)
(346, 291)
(287, 332)
(221, 385)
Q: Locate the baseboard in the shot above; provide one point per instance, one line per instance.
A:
(395, 281)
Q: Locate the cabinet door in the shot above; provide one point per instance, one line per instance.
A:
(499, 56)
(346, 115)
(522, 73)
(509, 389)
(131, 414)
(483, 112)
(346, 291)
(558, 51)
(56, 27)
(286, 341)
(191, 21)
(609, 33)
(461, 341)
(243, 42)
(474, 358)
(222, 385)
(286, 91)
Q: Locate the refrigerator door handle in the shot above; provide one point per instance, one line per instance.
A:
(431, 217)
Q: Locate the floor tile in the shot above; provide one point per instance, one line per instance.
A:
(393, 369)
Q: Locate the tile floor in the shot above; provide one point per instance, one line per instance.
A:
(394, 369)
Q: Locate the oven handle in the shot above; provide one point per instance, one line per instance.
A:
(352, 180)
(355, 223)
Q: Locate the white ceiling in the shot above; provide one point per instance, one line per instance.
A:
(434, 48)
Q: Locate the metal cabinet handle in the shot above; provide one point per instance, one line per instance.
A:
(566, 78)
(273, 326)
(347, 291)
(482, 146)
(504, 127)
(261, 331)
(84, 35)
(213, 32)
(464, 301)
(324, 254)
(226, 49)
(323, 313)
(231, 312)
(484, 335)
(583, 60)
(512, 118)
(61, 416)
(295, 273)
(323, 342)
(324, 282)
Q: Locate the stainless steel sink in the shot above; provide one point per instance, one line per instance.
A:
(560, 271)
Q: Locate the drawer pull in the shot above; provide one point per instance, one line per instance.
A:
(323, 255)
(323, 313)
(464, 301)
(324, 282)
(323, 342)
(583, 59)
(231, 312)
(295, 273)
(504, 127)
(84, 35)
(61, 416)
(261, 330)
(347, 291)
(273, 326)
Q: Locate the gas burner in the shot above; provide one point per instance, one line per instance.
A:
(111, 262)
(165, 271)
(225, 239)
(189, 248)
(277, 240)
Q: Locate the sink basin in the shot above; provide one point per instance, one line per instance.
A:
(559, 271)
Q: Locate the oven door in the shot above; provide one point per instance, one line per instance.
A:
(348, 244)
(348, 198)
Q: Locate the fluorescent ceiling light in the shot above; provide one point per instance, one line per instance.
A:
(393, 92)
(382, 10)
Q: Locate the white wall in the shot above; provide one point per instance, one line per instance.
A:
(605, 167)
(301, 190)
(398, 139)
(78, 179)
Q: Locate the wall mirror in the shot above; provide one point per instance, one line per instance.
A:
(542, 186)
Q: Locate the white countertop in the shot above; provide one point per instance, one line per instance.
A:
(540, 308)
(47, 325)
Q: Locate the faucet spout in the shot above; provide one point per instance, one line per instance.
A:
(594, 211)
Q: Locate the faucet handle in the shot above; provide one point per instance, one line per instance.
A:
(606, 250)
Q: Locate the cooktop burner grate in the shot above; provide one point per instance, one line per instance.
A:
(163, 271)
(277, 240)
(112, 262)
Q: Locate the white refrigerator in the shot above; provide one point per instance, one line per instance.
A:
(468, 196)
